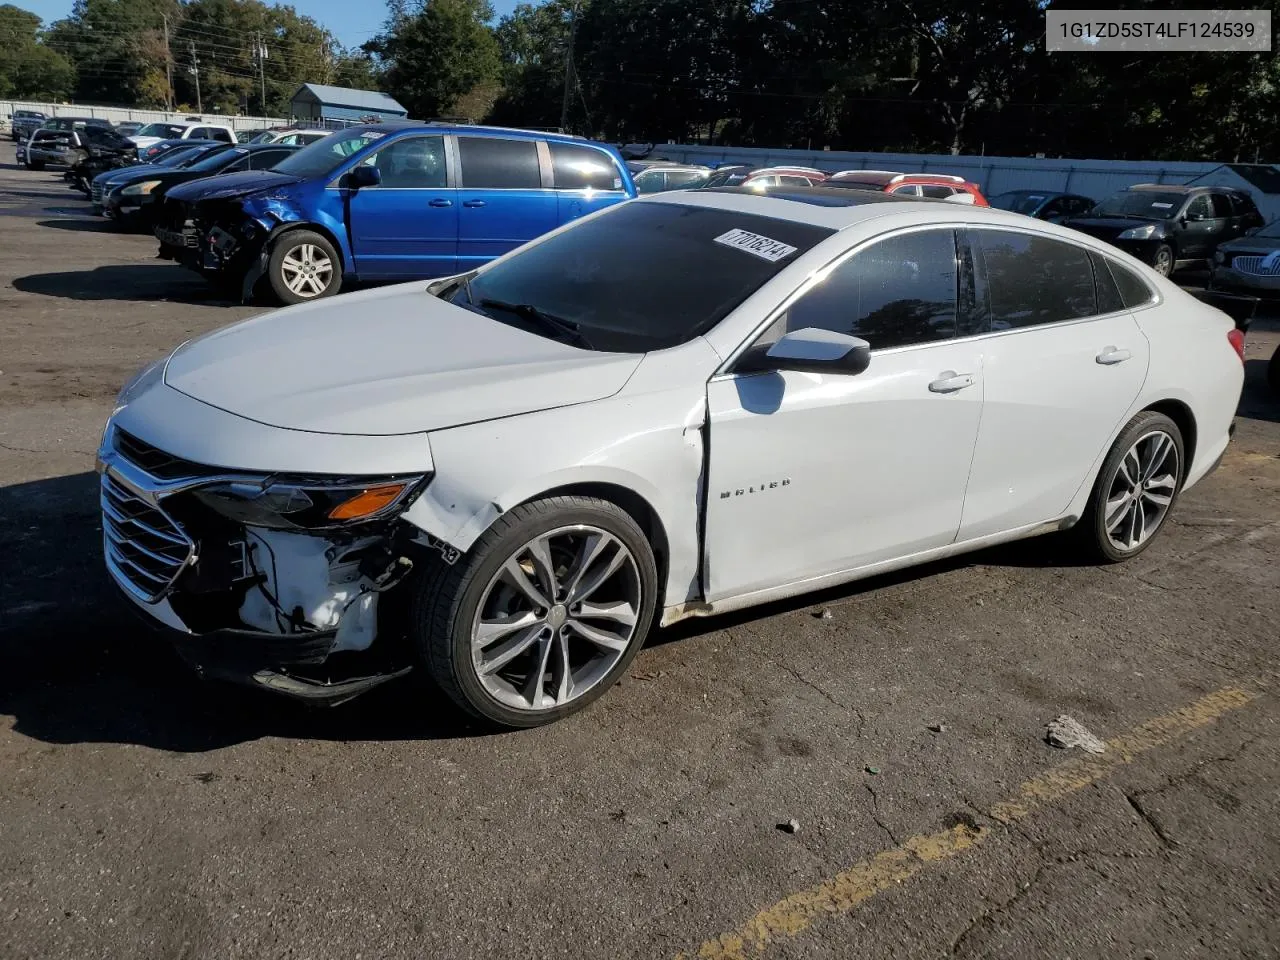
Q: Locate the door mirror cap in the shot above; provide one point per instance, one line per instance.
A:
(811, 350)
(364, 176)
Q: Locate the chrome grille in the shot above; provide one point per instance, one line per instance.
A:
(144, 547)
(1258, 266)
(153, 460)
(97, 193)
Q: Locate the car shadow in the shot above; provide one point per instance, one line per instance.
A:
(78, 666)
(82, 225)
(130, 281)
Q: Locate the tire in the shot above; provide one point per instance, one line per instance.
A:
(1164, 260)
(1131, 521)
(452, 603)
(1273, 371)
(295, 253)
(36, 165)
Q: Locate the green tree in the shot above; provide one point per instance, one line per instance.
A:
(435, 52)
(30, 70)
(117, 48)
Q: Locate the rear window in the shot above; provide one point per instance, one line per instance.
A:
(643, 276)
(583, 168)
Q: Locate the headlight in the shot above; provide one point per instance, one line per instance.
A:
(309, 504)
(140, 189)
(1145, 232)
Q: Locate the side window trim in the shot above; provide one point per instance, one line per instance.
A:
(546, 172)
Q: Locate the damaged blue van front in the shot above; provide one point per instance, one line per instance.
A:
(386, 202)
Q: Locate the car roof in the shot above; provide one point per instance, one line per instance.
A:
(838, 208)
(256, 147)
(1183, 188)
(471, 129)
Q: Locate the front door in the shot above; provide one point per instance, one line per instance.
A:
(503, 203)
(1063, 366)
(1201, 230)
(812, 474)
(406, 227)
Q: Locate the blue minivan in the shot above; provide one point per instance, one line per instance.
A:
(387, 201)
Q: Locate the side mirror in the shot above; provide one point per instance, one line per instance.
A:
(812, 350)
(364, 176)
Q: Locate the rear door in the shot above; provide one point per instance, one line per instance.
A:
(585, 180)
(406, 227)
(1062, 363)
(503, 200)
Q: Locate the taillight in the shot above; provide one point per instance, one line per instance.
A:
(1237, 342)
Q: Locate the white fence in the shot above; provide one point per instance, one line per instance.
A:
(121, 114)
(1092, 178)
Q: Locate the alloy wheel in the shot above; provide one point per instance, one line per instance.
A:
(556, 618)
(1141, 490)
(307, 270)
(1164, 261)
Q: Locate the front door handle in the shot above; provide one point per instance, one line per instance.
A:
(441, 202)
(950, 382)
(1111, 355)
(473, 203)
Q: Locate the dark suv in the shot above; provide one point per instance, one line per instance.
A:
(25, 123)
(1170, 225)
(63, 140)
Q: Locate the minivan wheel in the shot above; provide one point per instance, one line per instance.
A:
(36, 165)
(1163, 263)
(1136, 488)
(303, 266)
(542, 615)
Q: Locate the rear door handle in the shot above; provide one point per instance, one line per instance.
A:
(441, 202)
(950, 382)
(473, 203)
(1111, 355)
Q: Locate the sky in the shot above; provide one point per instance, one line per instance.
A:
(351, 23)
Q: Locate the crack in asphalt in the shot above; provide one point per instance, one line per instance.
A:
(1151, 821)
(989, 914)
(787, 668)
(875, 815)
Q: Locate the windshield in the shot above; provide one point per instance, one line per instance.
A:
(643, 276)
(1146, 204)
(321, 157)
(216, 159)
(1018, 202)
(175, 158)
(166, 131)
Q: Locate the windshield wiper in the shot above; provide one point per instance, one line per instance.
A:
(561, 328)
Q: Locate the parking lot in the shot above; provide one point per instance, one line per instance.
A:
(899, 722)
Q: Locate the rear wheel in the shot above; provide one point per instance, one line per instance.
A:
(542, 615)
(303, 266)
(1135, 490)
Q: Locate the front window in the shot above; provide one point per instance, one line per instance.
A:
(1025, 203)
(597, 279)
(413, 163)
(324, 156)
(1142, 204)
(165, 131)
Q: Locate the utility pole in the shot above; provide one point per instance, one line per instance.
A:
(195, 69)
(568, 67)
(260, 54)
(168, 65)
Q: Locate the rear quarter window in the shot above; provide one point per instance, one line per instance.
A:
(1133, 289)
(491, 163)
(583, 168)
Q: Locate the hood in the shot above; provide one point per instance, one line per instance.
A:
(1262, 246)
(111, 175)
(122, 178)
(229, 185)
(1107, 228)
(395, 360)
(143, 142)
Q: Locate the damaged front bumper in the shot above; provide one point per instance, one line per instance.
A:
(229, 247)
(317, 615)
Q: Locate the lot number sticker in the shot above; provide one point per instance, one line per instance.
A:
(763, 247)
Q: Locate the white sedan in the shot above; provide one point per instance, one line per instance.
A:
(682, 405)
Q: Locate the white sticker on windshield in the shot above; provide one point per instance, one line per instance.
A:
(763, 247)
(1162, 206)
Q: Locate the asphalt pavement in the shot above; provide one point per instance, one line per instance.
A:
(144, 814)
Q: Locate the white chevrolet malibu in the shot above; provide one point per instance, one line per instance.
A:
(679, 406)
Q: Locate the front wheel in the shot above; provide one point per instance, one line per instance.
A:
(1163, 263)
(1135, 490)
(303, 266)
(542, 615)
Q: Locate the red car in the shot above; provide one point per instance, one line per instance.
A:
(939, 186)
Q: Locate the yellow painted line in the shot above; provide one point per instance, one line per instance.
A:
(846, 890)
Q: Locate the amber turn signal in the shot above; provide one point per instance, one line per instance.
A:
(367, 502)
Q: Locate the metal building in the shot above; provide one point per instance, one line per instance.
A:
(315, 103)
